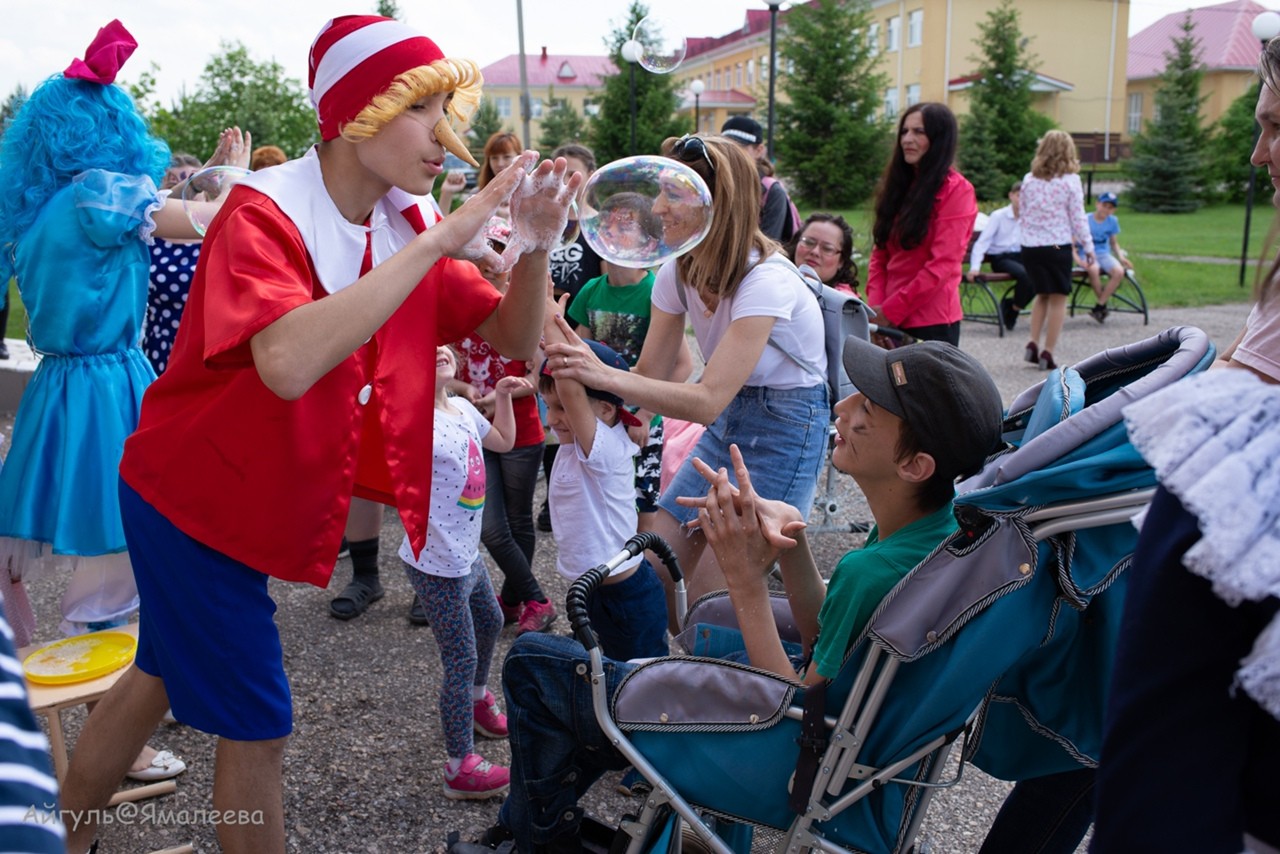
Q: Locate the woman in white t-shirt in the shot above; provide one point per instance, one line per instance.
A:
(747, 305)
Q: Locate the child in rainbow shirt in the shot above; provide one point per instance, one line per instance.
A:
(452, 581)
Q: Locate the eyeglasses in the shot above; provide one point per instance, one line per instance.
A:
(823, 248)
(696, 148)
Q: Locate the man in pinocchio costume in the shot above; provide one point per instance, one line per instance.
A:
(303, 372)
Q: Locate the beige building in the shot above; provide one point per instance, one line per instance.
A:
(552, 77)
(927, 49)
(1228, 52)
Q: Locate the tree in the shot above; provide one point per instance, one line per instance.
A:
(485, 122)
(389, 9)
(829, 142)
(233, 90)
(561, 124)
(1167, 167)
(655, 98)
(1227, 163)
(999, 134)
(10, 106)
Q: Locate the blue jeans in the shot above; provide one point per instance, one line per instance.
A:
(507, 526)
(630, 617)
(558, 750)
(782, 434)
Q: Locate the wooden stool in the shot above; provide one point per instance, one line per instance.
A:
(50, 701)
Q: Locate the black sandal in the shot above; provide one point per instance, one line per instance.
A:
(355, 599)
(418, 613)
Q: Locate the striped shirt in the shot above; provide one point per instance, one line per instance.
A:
(29, 816)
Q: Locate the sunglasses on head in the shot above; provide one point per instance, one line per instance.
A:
(696, 147)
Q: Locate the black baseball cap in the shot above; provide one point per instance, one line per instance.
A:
(605, 354)
(744, 130)
(946, 395)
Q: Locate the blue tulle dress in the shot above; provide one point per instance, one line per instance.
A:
(82, 270)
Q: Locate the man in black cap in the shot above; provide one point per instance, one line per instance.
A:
(924, 416)
(775, 205)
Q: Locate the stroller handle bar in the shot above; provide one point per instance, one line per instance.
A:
(581, 591)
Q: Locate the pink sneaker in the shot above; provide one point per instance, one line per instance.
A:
(489, 719)
(476, 779)
(510, 613)
(537, 617)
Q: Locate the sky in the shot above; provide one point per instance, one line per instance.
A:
(40, 37)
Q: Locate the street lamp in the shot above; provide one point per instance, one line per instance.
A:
(631, 51)
(1266, 26)
(773, 65)
(697, 87)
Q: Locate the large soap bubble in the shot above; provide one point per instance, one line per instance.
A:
(662, 48)
(203, 188)
(641, 211)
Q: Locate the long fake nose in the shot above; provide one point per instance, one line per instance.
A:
(445, 134)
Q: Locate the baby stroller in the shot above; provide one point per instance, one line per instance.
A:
(960, 650)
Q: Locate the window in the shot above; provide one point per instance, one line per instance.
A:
(913, 93)
(751, 72)
(504, 106)
(873, 38)
(915, 28)
(738, 75)
(891, 102)
(893, 34)
(590, 108)
(535, 108)
(1135, 112)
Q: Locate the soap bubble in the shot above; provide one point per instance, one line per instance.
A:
(206, 186)
(662, 49)
(641, 211)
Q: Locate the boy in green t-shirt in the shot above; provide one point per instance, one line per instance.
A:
(924, 416)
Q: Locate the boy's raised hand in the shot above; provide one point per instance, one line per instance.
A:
(512, 385)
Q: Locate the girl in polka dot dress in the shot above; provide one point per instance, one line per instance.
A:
(173, 265)
(452, 581)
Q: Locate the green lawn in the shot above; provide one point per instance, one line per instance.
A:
(1216, 231)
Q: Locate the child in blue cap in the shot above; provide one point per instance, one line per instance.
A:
(593, 506)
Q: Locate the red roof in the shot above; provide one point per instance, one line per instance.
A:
(721, 98)
(1224, 32)
(757, 21)
(550, 69)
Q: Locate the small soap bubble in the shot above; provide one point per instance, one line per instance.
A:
(662, 48)
(639, 212)
(206, 186)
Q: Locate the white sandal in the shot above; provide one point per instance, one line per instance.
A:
(164, 765)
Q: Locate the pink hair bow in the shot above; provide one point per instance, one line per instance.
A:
(106, 53)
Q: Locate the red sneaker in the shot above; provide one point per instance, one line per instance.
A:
(510, 613)
(489, 719)
(476, 779)
(537, 617)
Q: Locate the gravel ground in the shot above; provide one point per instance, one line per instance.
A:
(363, 770)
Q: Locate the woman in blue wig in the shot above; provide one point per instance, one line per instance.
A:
(78, 208)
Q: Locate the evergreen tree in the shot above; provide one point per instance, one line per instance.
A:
(1227, 172)
(10, 106)
(655, 98)
(485, 122)
(1167, 167)
(998, 136)
(233, 90)
(561, 124)
(389, 9)
(828, 140)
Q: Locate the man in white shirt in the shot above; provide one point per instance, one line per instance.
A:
(1000, 243)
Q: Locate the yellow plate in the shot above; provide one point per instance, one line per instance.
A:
(80, 658)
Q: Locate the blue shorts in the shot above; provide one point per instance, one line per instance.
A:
(630, 617)
(206, 628)
(1107, 262)
(782, 434)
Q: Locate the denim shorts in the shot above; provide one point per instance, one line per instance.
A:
(1108, 262)
(782, 434)
(207, 629)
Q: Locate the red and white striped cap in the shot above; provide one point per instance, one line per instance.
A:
(354, 59)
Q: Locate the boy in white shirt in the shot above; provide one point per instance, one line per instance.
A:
(593, 506)
(1000, 243)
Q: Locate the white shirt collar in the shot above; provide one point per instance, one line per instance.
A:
(337, 246)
